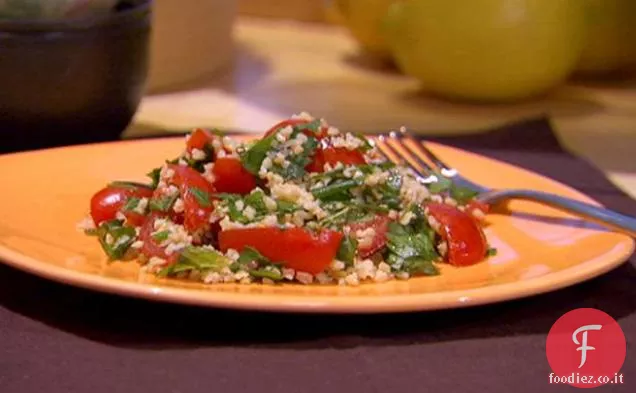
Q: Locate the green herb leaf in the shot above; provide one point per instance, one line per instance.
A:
(199, 165)
(197, 259)
(270, 272)
(297, 162)
(418, 265)
(347, 250)
(420, 223)
(115, 239)
(226, 196)
(407, 244)
(255, 200)
(161, 237)
(202, 197)
(131, 204)
(390, 191)
(129, 184)
(254, 156)
(155, 176)
(462, 195)
(491, 252)
(336, 191)
(250, 254)
(358, 213)
(333, 174)
(366, 145)
(163, 203)
(398, 230)
(284, 207)
(313, 126)
(265, 268)
(442, 184)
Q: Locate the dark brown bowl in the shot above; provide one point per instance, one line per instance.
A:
(74, 81)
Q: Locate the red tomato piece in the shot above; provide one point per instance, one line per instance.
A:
(334, 155)
(380, 225)
(231, 177)
(192, 184)
(296, 248)
(109, 200)
(150, 247)
(198, 139)
(465, 238)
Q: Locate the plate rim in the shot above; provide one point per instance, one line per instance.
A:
(320, 303)
(316, 303)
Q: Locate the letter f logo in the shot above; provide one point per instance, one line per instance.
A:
(583, 344)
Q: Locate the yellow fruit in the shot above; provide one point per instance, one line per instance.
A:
(486, 50)
(610, 41)
(363, 19)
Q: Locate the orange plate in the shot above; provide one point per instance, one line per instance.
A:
(45, 193)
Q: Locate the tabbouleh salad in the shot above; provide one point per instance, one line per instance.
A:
(303, 203)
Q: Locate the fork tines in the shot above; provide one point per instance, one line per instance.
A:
(403, 149)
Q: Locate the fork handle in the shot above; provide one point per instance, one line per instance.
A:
(599, 215)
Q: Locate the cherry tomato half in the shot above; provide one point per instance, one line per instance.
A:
(334, 155)
(196, 192)
(109, 200)
(231, 177)
(380, 225)
(295, 248)
(151, 247)
(465, 238)
(198, 139)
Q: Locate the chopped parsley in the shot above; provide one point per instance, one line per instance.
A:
(257, 265)
(131, 204)
(161, 237)
(296, 163)
(284, 207)
(313, 126)
(446, 185)
(155, 176)
(198, 165)
(411, 248)
(347, 250)
(417, 265)
(163, 203)
(389, 191)
(202, 197)
(294, 167)
(491, 252)
(253, 158)
(256, 201)
(462, 195)
(338, 191)
(115, 238)
(129, 184)
(272, 273)
(443, 184)
(194, 258)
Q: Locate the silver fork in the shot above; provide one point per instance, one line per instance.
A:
(428, 174)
